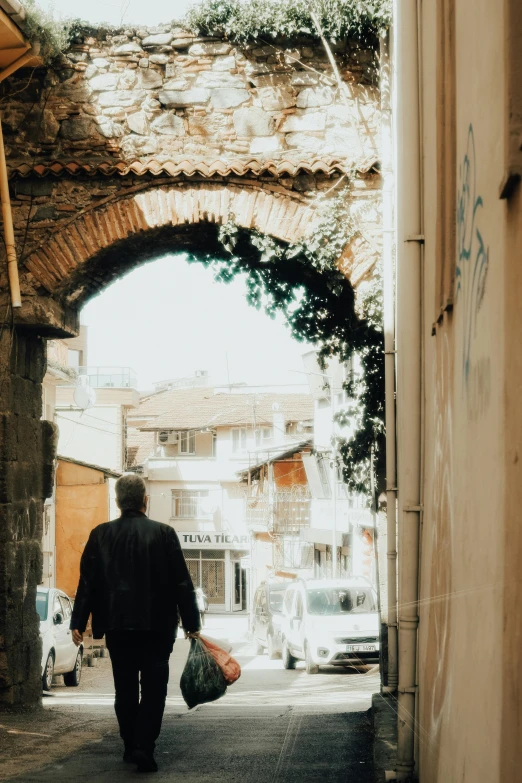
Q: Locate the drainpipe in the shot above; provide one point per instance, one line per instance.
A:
(409, 376)
(389, 359)
(12, 265)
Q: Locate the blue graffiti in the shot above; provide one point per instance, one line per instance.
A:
(473, 255)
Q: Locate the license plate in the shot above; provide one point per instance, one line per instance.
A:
(361, 648)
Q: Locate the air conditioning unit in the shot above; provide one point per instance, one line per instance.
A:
(167, 437)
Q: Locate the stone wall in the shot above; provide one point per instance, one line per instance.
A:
(165, 93)
(27, 451)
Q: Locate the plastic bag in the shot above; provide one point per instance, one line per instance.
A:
(228, 665)
(202, 680)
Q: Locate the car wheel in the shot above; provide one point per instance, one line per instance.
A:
(311, 667)
(72, 679)
(48, 672)
(272, 652)
(289, 661)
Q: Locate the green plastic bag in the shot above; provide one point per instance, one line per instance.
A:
(202, 680)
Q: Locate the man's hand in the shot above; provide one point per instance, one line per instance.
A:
(191, 634)
(77, 637)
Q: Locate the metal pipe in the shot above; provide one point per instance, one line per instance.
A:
(334, 478)
(389, 360)
(12, 265)
(409, 377)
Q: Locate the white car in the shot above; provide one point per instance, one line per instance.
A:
(331, 623)
(59, 653)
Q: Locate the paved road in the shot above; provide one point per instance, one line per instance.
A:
(273, 726)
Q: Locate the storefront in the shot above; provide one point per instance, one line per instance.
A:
(216, 562)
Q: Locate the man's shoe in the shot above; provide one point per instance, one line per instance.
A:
(145, 761)
(129, 755)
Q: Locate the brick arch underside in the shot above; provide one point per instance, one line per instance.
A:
(105, 242)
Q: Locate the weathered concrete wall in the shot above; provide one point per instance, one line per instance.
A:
(467, 596)
(27, 450)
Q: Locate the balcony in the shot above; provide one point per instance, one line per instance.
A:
(109, 377)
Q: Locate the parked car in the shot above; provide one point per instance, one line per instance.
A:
(266, 617)
(59, 653)
(330, 622)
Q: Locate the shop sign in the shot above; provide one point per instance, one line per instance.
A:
(213, 541)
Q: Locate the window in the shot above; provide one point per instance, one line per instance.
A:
(289, 599)
(299, 607)
(42, 601)
(263, 435)
(239, 440)
(66, 607)
(187, 442)
(190, 504)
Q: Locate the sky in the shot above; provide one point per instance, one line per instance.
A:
(168, 318)
(118, 12)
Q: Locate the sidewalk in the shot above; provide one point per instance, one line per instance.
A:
(384, 720)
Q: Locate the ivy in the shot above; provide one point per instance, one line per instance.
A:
(242, 21)
(41, 27)
(303, 282)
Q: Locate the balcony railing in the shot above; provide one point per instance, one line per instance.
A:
(109, 377)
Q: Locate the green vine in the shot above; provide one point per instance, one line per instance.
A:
(250, 20)
(303, 282)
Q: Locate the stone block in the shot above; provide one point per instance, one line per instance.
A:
(276, 98)
(105, 81)
(183, 98)
(100, 62)
(304, 121)
(228, 98)
(122, 98)
(178, 84)
(77, 129)
(253, 121)
(110, 129)
(225, 63)
(311, 97)
(181, 43)
(41, 125)
(135, 146)
(162, 39)
(219, 79)
(305, 141)
(159, 59)
(210, 48)
(77, 93)
(169, 125)
(304, 79)
(128, 48)
(263, 145)
(272, 80)
(138, 123)
(149, 79)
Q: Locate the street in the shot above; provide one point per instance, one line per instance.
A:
(272, 726)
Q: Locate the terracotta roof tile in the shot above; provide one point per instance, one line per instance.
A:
(290, 166)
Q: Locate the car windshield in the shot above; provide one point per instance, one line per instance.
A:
(42, 601)
(276, 595)
(340, 600)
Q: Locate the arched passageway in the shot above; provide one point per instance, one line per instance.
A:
(112, 164)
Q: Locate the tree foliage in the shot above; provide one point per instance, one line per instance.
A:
(250, 20)
(303, 282)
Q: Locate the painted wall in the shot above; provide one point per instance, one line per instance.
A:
(461, 568)
(82, 503)
(94, 435)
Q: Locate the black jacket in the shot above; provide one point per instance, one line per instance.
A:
(133, 576)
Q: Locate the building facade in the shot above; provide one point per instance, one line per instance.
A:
(191, 444)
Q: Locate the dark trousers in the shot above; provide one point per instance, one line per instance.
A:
(140, 658)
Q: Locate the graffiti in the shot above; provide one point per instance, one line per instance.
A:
(473, 255)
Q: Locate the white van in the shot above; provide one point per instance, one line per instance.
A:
(330, 622)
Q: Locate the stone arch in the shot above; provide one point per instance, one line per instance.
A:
(90, 242)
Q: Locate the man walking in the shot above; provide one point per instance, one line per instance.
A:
(135, 583)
